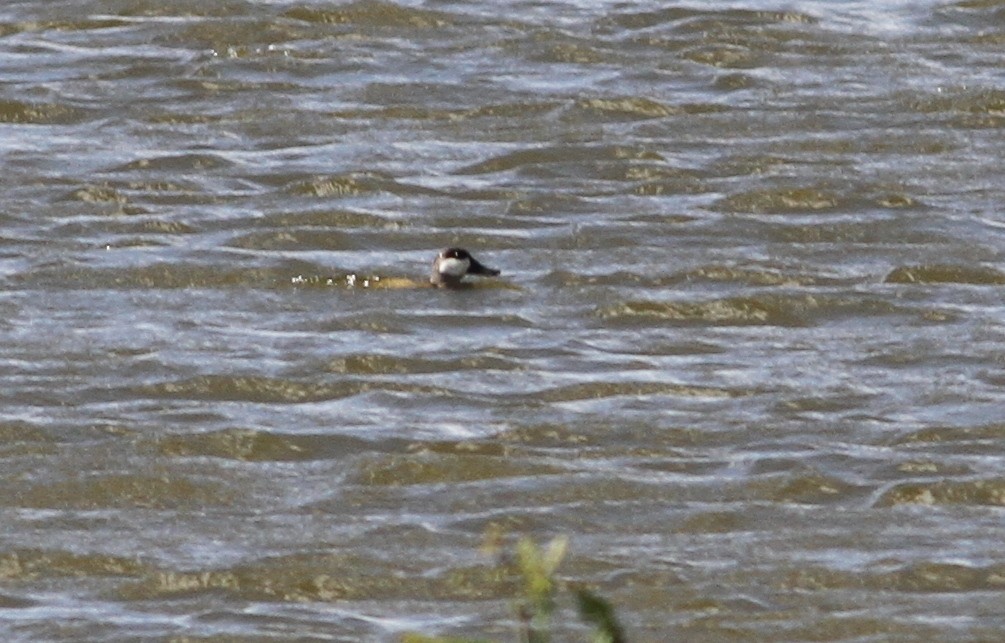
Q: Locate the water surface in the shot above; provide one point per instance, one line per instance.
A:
(746, 351)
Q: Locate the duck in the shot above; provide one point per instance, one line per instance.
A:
(452, 264)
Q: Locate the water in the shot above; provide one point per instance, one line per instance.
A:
(746, 351)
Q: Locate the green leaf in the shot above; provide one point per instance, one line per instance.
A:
(599, 612)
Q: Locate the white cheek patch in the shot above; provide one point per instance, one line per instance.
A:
(454, 267)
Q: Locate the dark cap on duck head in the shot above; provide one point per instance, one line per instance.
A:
(452, 264)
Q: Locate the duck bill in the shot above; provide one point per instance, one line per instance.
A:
(477, 268)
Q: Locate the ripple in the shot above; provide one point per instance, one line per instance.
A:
(946, 492)
(761, 310)
(159, 276)
(856, 232)
(725, 56)
(324, 577)
(172, 163)
(946, 274)
(372, 14)
(781, 201)
(734, 311)
(560, 154)
(451, 115)
(126, 491)
(593, 391)
(12, 111)
(628, 107)
(326, 219)
(291, 240)
(26, 564)
(810, 488)
(977, 107)
(943, 577)
(381, 364)
(433, 468)
(353, 184)
(968, 439)
(695, 19)
(250, 445)
(252, 389)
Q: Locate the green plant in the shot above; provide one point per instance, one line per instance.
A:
(537, 566)
(536, 603)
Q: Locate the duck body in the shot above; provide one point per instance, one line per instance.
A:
(451, 266)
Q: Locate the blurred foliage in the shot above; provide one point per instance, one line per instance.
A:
(536, 603)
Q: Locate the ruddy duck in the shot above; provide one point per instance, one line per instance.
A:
(452, 264)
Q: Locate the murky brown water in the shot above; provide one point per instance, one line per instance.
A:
(747, 350)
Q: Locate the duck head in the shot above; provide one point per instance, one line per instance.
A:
(452, 264)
